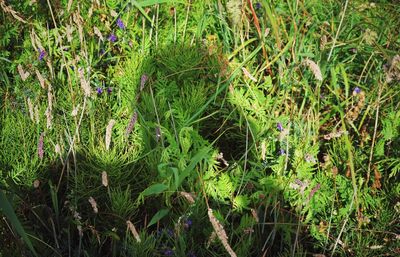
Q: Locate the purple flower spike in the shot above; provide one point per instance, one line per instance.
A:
(99, 91)
(279, 126)
(120, 24)
(132, 123)
(109, 90)
(143, 81)
(40, 146)
(112, 38)
(315, 189)
(42, 54)
(357, 90)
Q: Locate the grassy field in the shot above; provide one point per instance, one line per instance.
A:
(199, 128)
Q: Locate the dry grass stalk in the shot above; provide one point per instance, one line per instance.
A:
(188, 196)
(314, 69)
(35, 41)
(133, 230)
(248, 75)
(234, 8)
(93, 204)
(219, 230)
(24, 75)
(57, 149)
(37, 114)
(84, 84)
(75, 111)
(104, 179)
(41, 79)
(77, 18)
(335, 134)
(8, 9)
(98, 33)
(69, 29)
(355, 111)
(30, 108)
(109, 132)
(49, 117)
(263, 150)
(49, 96)
(393, 72)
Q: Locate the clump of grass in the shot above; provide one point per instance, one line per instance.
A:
(124, 125)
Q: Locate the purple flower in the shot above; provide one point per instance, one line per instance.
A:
(99, 91)
(40, 146)
(168, 252)
(42, 54)
(279, 126)
(102, 51)
(109, 90)
(357, 90)
(131, 124)
(258, 5)
(120, 24)
(315, 189)
(112, 38)
(282, 152)
(143, 80)
(188, 223)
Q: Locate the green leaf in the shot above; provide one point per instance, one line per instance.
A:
(8, 211)
(154, 189)
(158, 216)
(201, 154)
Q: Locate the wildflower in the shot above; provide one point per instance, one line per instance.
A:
(356, 90)
(315, 189)
(258, 5)
(131, 124)
(120, 24)
(99, 91)
(40, 146)
(143, 80)
(282, 152)
(188, 223)
(109, 90)
(168, 252)
(279, 126)
(102, 52)
(112, 38)
(42, 53)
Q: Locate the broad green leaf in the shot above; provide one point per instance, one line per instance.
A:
(201, 154)
(158, 216)
(154, 189)
(8, 211)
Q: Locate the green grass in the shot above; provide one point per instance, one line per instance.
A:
(282, 117)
